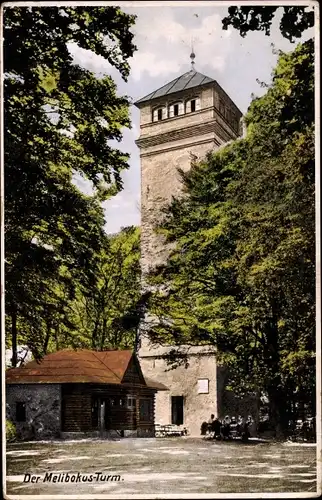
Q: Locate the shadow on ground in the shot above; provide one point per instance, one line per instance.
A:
(160, 466)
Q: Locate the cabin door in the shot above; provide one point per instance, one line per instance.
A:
(105, 414)
(95, 412)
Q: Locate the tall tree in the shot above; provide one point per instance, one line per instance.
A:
(242, 274)
(59, 120)
(294, 19)
(107, 313)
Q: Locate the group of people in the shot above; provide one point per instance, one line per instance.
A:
(303, 429)
(228, 428)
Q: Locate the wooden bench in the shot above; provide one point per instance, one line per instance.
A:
(168, 430)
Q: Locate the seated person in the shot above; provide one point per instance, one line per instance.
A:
(226, 427)
(210, 422)
(204, 428)
(216, 427)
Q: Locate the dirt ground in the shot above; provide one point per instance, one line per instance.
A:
(159, 466)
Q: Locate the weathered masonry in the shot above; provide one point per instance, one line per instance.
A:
(77, 392)
(180, 122)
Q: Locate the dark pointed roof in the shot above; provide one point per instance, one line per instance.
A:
(188, 80)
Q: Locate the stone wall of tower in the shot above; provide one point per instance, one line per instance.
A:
(165, 146)
(183, 381)
(160, 181)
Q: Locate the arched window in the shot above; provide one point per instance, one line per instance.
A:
(159, 114)
(176, 109)
(193, 105)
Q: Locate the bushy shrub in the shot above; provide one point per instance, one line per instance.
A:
(10, 431)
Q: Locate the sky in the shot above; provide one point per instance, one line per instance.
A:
(163, 37)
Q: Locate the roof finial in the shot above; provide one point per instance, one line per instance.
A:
(192, 57)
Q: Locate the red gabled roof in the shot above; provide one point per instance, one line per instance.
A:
(69, 366)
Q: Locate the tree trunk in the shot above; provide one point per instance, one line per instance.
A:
(276, 394)
(14, 359)
(137, 341)
(103, 337)
(57, 336)
(95, 332)
(48, 333)
(278, 413)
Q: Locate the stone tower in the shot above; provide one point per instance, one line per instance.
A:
(179, 122)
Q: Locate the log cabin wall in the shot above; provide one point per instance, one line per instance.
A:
(119, 415)
(127, 408)
(76, 408)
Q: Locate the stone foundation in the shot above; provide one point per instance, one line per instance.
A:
(42, 410)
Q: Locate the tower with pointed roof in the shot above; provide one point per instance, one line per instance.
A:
(179, 122)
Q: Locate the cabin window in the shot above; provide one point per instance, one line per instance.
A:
(193, 105)
(176, 109)
(159, 114)
(145, 410)
(131, 402)
(203, 386)
(20, 412)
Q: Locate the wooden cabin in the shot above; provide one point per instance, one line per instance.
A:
(81, 391)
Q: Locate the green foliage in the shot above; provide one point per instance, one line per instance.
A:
(294, 20)
(96, 314)
(107, 314)
(59, 120)
(242, 274)
(10, 431)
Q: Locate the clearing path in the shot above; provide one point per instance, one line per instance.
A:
(159, 466)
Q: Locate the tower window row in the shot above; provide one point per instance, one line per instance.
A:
(176, 109)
